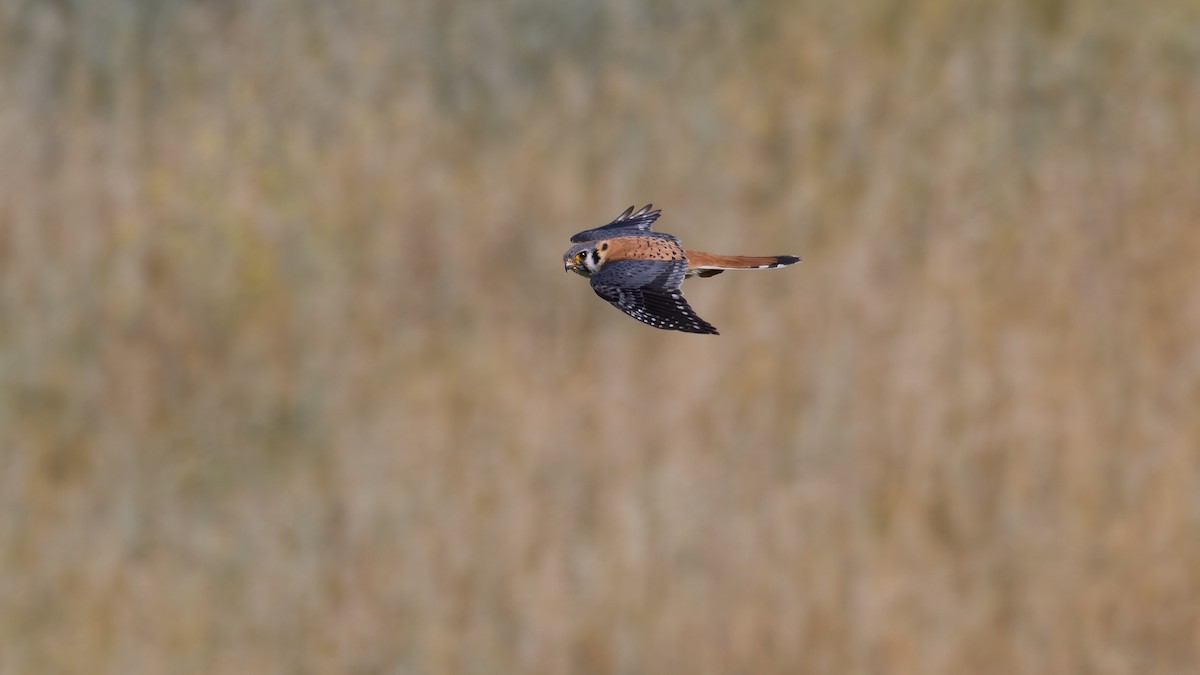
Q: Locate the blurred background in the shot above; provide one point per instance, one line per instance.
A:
(292, 380)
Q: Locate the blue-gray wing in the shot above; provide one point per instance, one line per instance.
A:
(648, 290)
(628, 222)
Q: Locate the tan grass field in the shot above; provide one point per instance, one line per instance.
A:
(292, 380)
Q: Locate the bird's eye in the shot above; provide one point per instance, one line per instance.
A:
(581, 255)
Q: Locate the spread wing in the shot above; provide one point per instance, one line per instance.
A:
(626, 223)
(648, 290)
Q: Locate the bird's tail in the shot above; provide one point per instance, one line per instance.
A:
(710, 264)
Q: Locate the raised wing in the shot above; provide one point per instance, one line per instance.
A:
(628, 222)
(648, 290)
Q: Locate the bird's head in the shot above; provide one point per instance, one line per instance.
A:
(584, 259)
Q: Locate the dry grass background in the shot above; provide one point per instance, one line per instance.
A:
(291, 379)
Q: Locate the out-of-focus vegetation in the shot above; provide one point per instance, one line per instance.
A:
(291, 379)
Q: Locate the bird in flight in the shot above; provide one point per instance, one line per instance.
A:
(639, 271)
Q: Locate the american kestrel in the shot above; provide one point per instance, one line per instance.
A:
(639, 271)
